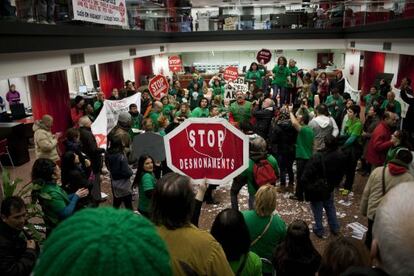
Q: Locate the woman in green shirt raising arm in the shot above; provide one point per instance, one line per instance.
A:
(281, 80)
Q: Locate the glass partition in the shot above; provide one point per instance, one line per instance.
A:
(203, 15)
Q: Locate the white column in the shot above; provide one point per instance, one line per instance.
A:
(352, 59)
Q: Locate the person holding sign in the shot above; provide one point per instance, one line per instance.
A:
(281, 81)
(254, 74)
(202, 110)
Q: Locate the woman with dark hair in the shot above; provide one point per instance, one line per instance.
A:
(145, 180)
(146, 103)
(56, 204)
(338, 83)
(281, 80)
(168, 108)
(117, 164)
(296, 255)
(73, 176)
(77, 110)
(342, 253)
(254, 74)
(384, 88)
(193, 251)
(202, 110)
(352, 146)
(230, 230)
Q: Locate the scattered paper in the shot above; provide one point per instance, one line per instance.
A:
(358, 230)
(103, 195)
(345, 202)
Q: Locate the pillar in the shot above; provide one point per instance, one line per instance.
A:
(50, 95)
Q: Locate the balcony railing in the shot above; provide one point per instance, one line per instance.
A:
(154, 16)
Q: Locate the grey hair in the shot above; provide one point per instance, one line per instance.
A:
(258, 144)
(394, 232)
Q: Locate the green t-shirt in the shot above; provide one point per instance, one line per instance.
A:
(252, 266)
(53, 206)
(281, 73)
(199, 112)
(257, 76)
(241, 112)
(335, 105)
(294, 70)
(97, 105)
(265, 246)
(167, 111)
(304, 143)
(218, 91)
(370, 100)
(154, 117)
(396, 104)
(147, 183)
(353, 127)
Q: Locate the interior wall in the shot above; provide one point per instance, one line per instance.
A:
(351, 70)
(21, 86)
(392, 62)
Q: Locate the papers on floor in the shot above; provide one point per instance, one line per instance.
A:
(358, 230)
(103, 195)
(345, 202)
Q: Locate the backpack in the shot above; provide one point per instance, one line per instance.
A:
(263, 173)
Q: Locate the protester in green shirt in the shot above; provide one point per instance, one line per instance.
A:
(168, 109)
(195, 94)
(202, 110)
(254, 74)
(230, 230)
(304, 147)
(145, 180)
(183, 113)
(240, 110)
(391, 103)
(294, 78)
(335, 104)
(267, 230)
(175, 89)
(98, 105)
(372, 99)
(218, 88)
(56, 204)
(281, 81)
(196, 80)
(155, 113)
(352, 146)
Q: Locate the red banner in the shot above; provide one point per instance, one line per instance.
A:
(231, 73)
(264, 56)
(175, 64)
(207, 148)
(158, 87)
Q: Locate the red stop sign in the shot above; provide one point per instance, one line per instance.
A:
(158, 87)
(265, 55)
(231, 73)
(207, 148)
(174, 63)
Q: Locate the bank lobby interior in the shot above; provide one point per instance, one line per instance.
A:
(50, 64)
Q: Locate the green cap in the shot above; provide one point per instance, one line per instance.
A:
(104, 241)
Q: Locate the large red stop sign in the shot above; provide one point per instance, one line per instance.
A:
(158, 87)
(231, 73)
(264, 55)
(207, 148)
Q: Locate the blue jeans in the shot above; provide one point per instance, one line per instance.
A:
(317, 209)
(284, 94)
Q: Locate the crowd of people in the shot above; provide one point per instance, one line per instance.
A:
(290, 117)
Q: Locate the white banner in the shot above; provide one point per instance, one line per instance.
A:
(109, 12)
(108, 117)
(231, 88)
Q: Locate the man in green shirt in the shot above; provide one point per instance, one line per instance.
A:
(98, 105)
(240, 110)
(335, 104)
(304, 147)
(391, 102)
(372, 99)
(281, 81)
(202, 110)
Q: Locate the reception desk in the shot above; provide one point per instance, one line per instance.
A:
(16, 135)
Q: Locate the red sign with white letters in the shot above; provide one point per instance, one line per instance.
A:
(158, 87)
(231, 73)
(174, 63)
(264, 55)
(207, 148)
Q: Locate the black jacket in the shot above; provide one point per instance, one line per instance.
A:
(334, 172)
(117, 165)
(263, 120)
(91, 148)
(282, 138)
(15, 257)
(409, 117)
(339, 84)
